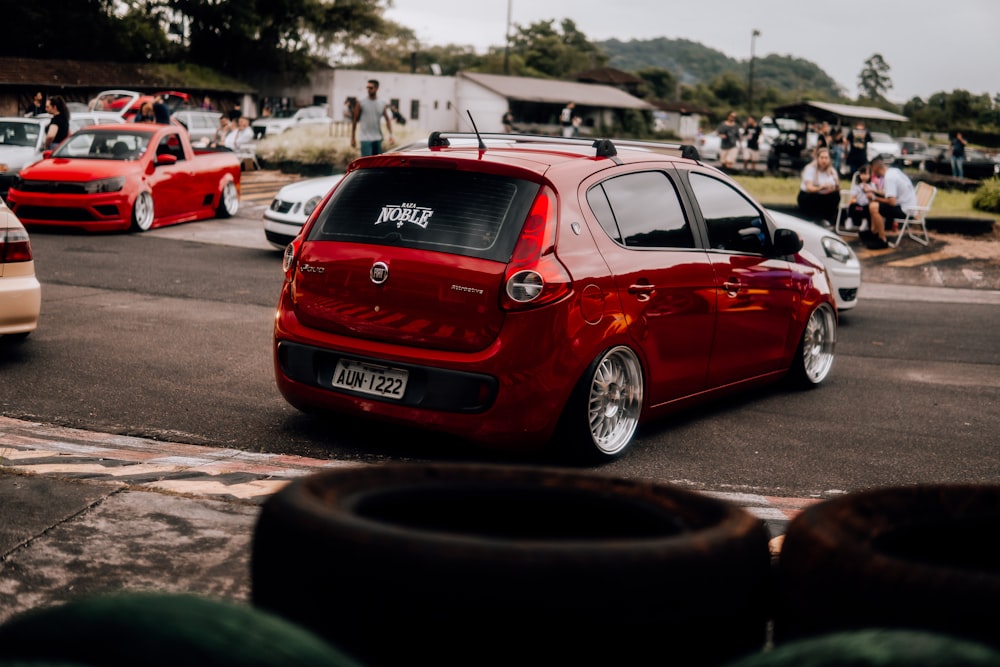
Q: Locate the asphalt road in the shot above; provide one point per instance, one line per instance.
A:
(166, 335)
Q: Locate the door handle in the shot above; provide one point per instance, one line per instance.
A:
(642, 292)
(732, 286)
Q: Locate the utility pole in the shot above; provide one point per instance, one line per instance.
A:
(753, 38)
(506, 48)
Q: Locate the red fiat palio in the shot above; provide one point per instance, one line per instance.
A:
(522, 291)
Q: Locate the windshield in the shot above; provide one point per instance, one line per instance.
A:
(104, 145)
(882, 138)
(13, 133)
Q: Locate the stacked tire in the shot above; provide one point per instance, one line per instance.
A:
(923, 558)
(452, 564)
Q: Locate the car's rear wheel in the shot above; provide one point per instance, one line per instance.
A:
(602, 415)
(229, 201)
(142, 212)
(815, 354)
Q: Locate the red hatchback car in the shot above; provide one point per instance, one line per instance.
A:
(521, 291)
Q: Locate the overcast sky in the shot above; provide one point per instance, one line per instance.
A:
(930, 47)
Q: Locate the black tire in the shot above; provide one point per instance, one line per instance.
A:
(229, 201)
(816, 350)
(143, 212)
(602, 414)
(489, 565)
(924, 557)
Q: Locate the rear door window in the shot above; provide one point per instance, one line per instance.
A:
(444, 210)
(641, 210)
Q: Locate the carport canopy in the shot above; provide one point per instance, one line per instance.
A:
(829, 111)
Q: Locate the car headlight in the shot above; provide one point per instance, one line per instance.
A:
(311, 205)
(837, 249)
(104, 185)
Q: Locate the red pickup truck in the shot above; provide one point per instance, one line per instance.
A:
(126, 176)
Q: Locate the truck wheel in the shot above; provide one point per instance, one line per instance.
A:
(142, 212)
(563, 566)
(920, 557)
(229, 201)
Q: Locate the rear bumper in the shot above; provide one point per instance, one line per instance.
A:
(20, 303)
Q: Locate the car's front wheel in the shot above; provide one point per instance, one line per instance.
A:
(603, 412)
(229, 201)
(814, 357)
(142, 212)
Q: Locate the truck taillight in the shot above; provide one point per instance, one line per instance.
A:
(535, 276)
(14, 246)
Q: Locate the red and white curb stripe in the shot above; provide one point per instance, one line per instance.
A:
(212, 472)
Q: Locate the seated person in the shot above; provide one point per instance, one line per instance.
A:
(890, 204)
(819, 192)
(861, 193)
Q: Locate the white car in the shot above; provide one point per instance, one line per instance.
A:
(22, 141)
(842, 265)
(20, 292)
(87, 118)
(884, 145)
(291, 207)
(286, 119)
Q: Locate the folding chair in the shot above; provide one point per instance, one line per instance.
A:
(916, 217)
(247, 154)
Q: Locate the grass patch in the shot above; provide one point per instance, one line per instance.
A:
(782, 191)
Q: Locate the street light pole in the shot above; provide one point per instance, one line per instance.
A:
(506, 48)
(753, 38)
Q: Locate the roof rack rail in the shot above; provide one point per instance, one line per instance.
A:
(603, 147)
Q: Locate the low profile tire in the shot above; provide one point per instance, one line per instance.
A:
(919, 557)
(476, 564)
(602, 415)
(229, 201)
(143, 212)
(815, 354)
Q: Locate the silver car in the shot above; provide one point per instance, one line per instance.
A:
(201, 125)
(22, 140)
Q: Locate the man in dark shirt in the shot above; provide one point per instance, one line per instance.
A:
(857, 142)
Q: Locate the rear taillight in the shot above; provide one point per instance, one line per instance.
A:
(14, 246)
(535, 276)
(290, 258)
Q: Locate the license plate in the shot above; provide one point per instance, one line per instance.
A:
(370, 379)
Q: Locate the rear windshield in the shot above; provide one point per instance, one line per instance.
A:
(458, 212)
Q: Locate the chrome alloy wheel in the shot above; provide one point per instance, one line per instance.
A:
(615, 400)
(818, 342)
(142, 212)
(230, 200)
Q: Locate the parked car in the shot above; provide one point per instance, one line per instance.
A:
(201, 125)
(20, 292)
(883, 144)
(128, 102)
(128, 176)
(22, 140)
(88, 118)
(285, 119)
(292, 206)
(977, 165)
(913, 152)
(542, 291)
(842, 264)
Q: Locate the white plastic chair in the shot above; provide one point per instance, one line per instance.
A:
(916, 217)
(843, 213)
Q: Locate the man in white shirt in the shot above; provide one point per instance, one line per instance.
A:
(891, 203)
(243, 134)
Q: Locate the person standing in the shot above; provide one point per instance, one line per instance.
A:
(857, 147)
(160, 111)
(507, 121)
(369, 113)
(891, 203)
(958, 155)
(566, 119)
(729, 147)
(58, 128)
(752, 132)
(37, 107)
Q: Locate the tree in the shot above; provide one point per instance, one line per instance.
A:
(550, 53)
(874, 81)
(662, 82)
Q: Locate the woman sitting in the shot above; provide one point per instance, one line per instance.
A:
(819, 192)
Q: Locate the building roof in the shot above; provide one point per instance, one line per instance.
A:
(824, 110)
(607, 75)
(524, 89)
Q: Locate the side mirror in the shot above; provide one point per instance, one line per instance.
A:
(786, 242)
(165, 159)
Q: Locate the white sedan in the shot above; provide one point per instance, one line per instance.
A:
(842, 265)
(291, 207)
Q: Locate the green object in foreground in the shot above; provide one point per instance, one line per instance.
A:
(876, 648)
(160, 630)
